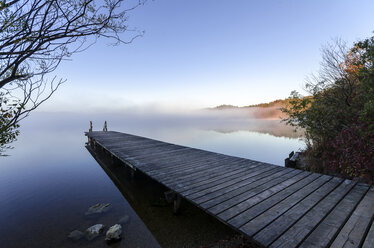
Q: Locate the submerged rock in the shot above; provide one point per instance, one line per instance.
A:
(76, 235)
(114, 233)
(98, 209)
(94, 231)
(124, 219)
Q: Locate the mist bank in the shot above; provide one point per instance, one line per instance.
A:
(222, 121)
(271, 110)
(264, 113)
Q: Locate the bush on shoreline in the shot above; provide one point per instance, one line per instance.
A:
(338, 117)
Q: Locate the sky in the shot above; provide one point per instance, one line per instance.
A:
(197, 54)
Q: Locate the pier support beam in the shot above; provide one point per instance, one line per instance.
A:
(176, 199)
(177, 204)
(105, 127)
(132, 173)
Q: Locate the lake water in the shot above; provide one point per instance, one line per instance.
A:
(50, 179)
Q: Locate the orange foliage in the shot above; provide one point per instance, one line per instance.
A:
(352, 64)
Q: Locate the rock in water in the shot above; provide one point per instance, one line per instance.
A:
(114, 233)
(98, 209)
(94, 231)
(75, 235)
(124, 219)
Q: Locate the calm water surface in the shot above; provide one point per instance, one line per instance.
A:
(50, 179)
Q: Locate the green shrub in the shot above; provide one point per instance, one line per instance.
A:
(338, 116)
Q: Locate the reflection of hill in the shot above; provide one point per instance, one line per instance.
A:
(272, 127)
(258, 112)
(271, 110)
(261, 118)
(267, 112)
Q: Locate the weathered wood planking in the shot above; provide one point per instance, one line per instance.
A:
(276, 206)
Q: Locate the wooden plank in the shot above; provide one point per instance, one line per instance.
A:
(216, 169)
(146, 158)
(214, 154)
(369, 240)
(103, 135)
(213, 164)
(267, 235)
(326, 231)
(143, 152)
(172, 184)
(186, 166)
(237, 185)
(301, 229)
(171, 166)
(172, 170)
(160, 163)
(279, 207)
(157, 165)
(141, 165)
(352, 234)
(113, 141)
(128, 153)
(256, 224)
(259, 170)
(178, 174)
(193, 186)
(132, 143)
(230, 199)
(138, 148)
(252, 201)
(141, 159)
(198, 169)
(190, 154)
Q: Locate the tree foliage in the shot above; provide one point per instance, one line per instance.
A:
(35, 36)
(8, 129)
(338, 117)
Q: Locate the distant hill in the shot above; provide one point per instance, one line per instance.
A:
(271, 110)
(225, 106)
(277, 103)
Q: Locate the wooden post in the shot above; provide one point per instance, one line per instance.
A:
(90, 130)
(177, 204)
(132, 172)
(105, 127)
(176, 199)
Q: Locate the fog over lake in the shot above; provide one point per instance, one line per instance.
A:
(50, 179)
(229, 132)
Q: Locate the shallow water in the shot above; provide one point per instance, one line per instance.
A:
(50, 179)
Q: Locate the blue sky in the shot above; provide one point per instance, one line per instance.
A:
(198, 54)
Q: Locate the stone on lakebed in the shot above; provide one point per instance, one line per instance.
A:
(75, 235)
(98, 209)
(114, 233)
(94, 231)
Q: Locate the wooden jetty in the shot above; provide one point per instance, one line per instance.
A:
(273, 205)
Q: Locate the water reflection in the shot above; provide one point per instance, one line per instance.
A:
(49, 180)
(192, 228)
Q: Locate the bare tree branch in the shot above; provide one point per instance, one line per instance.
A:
(36, 35)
